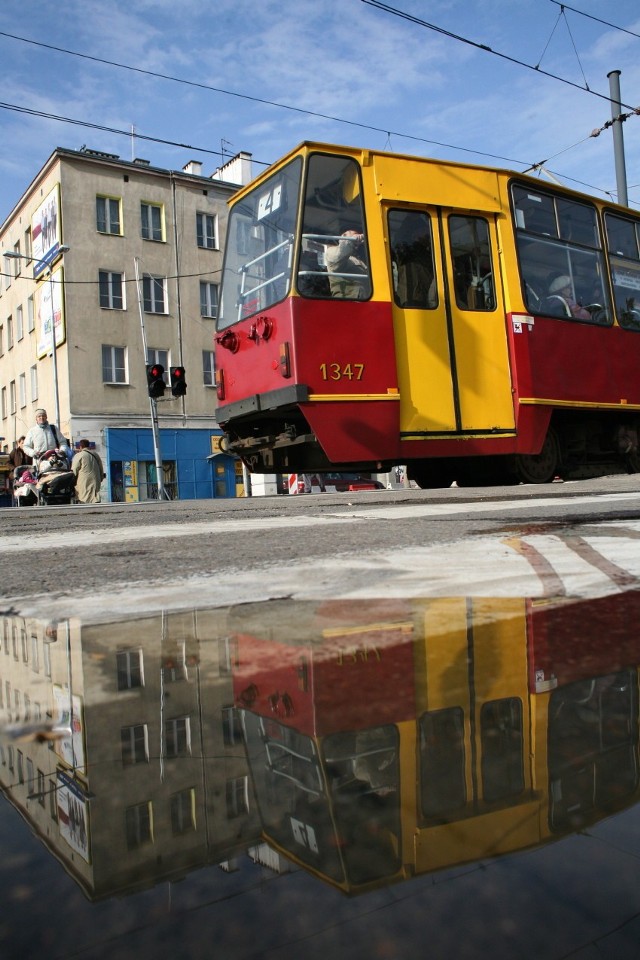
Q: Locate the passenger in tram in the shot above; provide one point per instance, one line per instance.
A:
(348, 273)
(561, 302)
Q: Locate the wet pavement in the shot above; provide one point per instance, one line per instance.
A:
(324, 777)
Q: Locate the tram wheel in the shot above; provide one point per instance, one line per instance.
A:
(540, 467)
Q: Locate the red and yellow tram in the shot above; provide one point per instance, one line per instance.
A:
(470, 322)
(412, 736)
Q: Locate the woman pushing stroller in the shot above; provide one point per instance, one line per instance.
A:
(49, 480)
(43, 437)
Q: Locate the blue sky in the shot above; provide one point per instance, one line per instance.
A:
(387, 82)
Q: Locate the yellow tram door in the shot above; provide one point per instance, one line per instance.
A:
(449, 322)
(477, 321)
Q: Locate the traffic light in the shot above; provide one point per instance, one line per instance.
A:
(178, 382)
(155, 380)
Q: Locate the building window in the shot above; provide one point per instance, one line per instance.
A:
(27, 243)
(206, 231)
(237, 791)
(208, 368)
(114, 364)
(35, 653)
(151, 221)
(34, 382)
(9, 333)
(130, 669)
(154, 294)
(138, 825)
(53, 801)
(31, 782)
(208, 299)
(135, 744)
(231, 726)
(22, 389)
(4, 403)
(31, 317)
(183, 811)
(177, 737)
(111, 290)
(46, 659)
(19, 323)
(20, 767)
(17, 263)
(12, 396)
(1, 340)
(42, 789)
(108, 215)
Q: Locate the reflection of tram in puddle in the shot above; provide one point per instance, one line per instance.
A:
(393, 739)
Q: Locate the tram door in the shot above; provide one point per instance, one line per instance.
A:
(453, 362)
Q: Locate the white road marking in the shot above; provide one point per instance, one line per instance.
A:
(231, 525)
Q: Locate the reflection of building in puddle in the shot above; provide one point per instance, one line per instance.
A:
(366, 743)
(122, 746)
(387, 740)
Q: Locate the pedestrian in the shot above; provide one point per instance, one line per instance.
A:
(89, 473)
(43, 437)
(18, 457)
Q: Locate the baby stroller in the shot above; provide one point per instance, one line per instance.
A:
(56, 482)
(47, 482)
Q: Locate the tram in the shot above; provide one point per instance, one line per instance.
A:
(379, 309)
(418, 735)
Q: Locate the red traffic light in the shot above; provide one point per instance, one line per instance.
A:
(178, 381)
(155, 380)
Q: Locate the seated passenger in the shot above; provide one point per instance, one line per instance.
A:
(348, 273)
(561, 302)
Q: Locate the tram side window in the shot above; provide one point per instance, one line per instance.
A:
(502, 749)
(624, 259)
(471, 258)
(412, 267)
(333, 259)
(561, 257)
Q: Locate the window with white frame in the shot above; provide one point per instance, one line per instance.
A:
(34, 382)
(17, 263)
(237, 794)
(208, 368)
(12, 397)
(22, 389)
(138, 824)
(206, 231)
(130, 669)
(183, 811)
(208, 299)
(1, 340)
(231, 726)
(7, 273)
(5, 412)
(154, 294)
(151, 221)
(31, 315)
(177, 737)
(135, 744)
(27, 243)
(19, 323)
(9, 333)
(111, 288)
(114, 364)
(108, 219)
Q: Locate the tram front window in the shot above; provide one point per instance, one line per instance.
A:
(259, 248)
(334, 260)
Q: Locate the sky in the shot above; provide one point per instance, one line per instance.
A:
(261, 76)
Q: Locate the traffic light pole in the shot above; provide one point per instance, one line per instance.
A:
(162, 494)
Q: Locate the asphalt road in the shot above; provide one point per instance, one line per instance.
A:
(114, 558)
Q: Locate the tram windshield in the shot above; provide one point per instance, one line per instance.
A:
(259, 247)
(335, 806)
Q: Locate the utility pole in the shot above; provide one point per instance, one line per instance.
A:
(152, 401)
(618, 140)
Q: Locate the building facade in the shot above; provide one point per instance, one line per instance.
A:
(119, 261)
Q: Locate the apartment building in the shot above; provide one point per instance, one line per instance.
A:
(119, 262)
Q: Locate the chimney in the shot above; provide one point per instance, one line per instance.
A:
(193, 167)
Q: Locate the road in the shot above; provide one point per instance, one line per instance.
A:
(579, 538)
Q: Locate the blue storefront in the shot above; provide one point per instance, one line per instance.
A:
(194, 469)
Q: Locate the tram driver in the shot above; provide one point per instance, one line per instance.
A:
(561, 302)
(348, 272)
